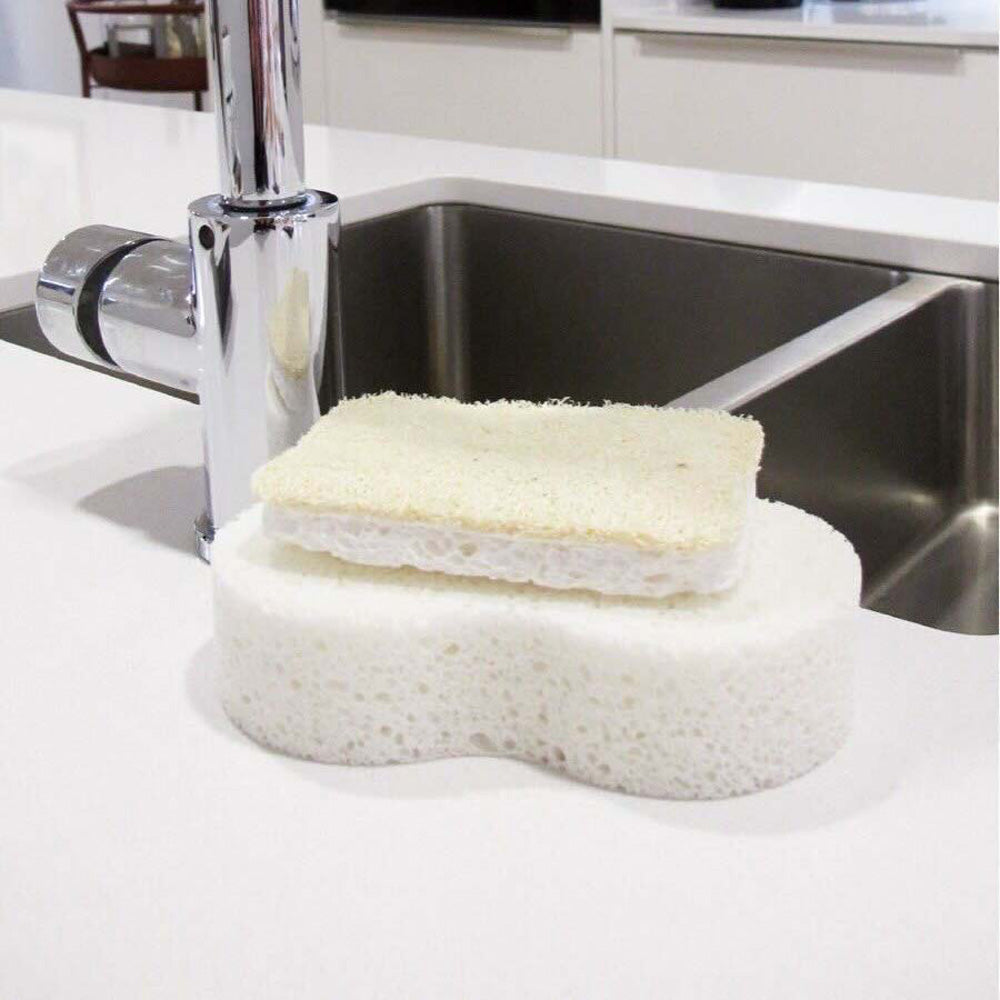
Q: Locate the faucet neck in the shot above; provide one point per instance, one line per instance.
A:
(254, 48)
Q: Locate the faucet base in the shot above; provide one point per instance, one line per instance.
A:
(267, 318)
(204, 534)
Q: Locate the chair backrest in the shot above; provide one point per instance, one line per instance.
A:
(77, 7)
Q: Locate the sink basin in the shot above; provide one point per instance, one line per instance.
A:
(483, 304)
(876, 388)
(893, 441)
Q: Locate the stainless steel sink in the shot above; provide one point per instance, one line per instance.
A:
(893, 440)
(483, 304)
(877, 389)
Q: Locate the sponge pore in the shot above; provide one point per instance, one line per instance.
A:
(688, 697)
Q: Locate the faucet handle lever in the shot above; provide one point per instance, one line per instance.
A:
(68, 290)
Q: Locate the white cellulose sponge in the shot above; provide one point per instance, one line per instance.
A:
(690, 697)
(617, 499)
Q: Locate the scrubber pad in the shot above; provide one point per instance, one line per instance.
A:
(691, 697)
(617, 499)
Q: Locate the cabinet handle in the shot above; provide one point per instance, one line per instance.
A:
(803, 51)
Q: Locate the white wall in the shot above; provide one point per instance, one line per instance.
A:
(37, 51)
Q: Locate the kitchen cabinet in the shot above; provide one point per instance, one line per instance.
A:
(905, 117)
(531, 87)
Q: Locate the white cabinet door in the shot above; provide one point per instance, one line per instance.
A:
(906, 117)
(538, 88)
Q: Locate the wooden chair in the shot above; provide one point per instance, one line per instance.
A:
(137, 72)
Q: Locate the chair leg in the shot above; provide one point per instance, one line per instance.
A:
(85, 81)
(197, 100)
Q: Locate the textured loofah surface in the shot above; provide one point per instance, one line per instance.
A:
(641, 476)
(689, 697)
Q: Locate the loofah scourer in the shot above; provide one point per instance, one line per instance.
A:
(688, 697)
(617, 499)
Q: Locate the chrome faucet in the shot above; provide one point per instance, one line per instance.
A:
(246, 313)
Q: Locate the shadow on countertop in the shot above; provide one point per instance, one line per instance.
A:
(141, 480)
(160, 503)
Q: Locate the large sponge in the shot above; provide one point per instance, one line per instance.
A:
(691, 697)
(618, 499)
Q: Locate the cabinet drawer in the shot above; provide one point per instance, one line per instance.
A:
(533, 87)
(905, 117)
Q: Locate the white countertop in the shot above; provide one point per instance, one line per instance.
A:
(66, 162)
(964, 23)
(148, 850)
